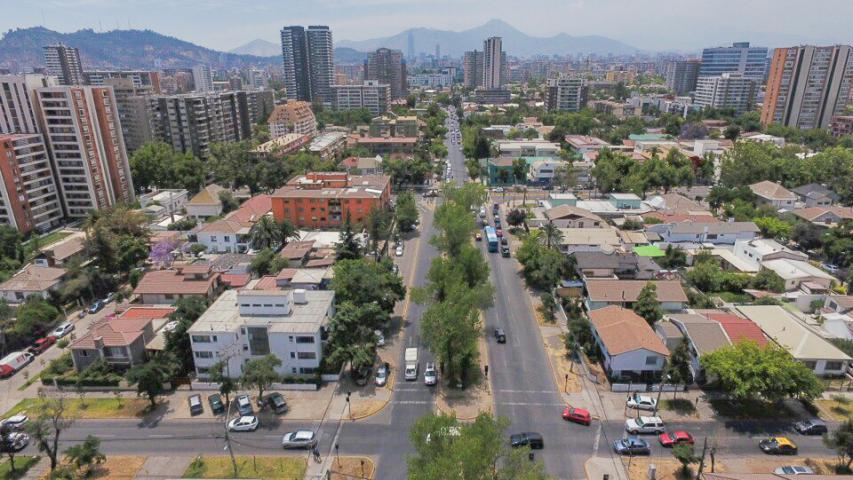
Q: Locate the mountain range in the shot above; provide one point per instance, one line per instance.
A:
(264, 48)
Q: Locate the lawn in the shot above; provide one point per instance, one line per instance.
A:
(22, 464)
(681, 406)
(248, 467)
(91, 407)
(838, 408)
(43, 241)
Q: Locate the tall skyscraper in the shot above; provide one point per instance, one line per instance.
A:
(308, 62)
(29, 199)
(410, 46)
(437, 51)
(472, 69)
(64, 63)
(132, 103)
(203, 78)
(388, 67)
(17, 114)
(681, 76)
(729, 90)
(751, 62)
(807, 85)
(493, 63)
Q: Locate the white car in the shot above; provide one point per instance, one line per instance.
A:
(299, 439)
(63, 330)
(642, 424)
(430, 375)
(642, 402)
(498, 189)
(399, 251)
(170, 326)
(380, 339)
(246, 423)
(18, 441)
(382, 375)
(15, 422)
(794, 470)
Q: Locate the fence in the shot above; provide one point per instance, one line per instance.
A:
(645, 387)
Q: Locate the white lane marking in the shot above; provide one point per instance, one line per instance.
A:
(411, 402)
(597, 439)
(161, 436)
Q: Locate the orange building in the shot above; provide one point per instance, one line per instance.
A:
(324, 199)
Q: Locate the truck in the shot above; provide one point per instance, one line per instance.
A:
(411, 364)
(13, 362)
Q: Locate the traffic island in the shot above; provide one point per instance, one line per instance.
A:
(466, 404)
(263, 467)
(347, 468)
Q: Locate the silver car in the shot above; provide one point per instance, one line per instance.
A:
(246, 423)
(430, 375)
(299, 439)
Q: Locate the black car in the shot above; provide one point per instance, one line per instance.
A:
(505, 252)
(216, 405)
(504, 241)
(277, 403)
(500, 335)
(811, 427)
(531, 439)
(196, 407)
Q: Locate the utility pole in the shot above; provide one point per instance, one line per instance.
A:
(702, 462)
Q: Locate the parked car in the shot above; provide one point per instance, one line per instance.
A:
(504, 241)
(642, 402)
(500, 335)
(478, 237)
(96, 307)
(395, 269)
(299, 439)
(632, 446)
(196, 407)
(63, 329)
(277, 403)
(18, 441)
(430, 375)
(499, 232)
(42, 344)
(15, 422)
(532, 439)
(644, 425)
(247, 423)
(675, 438)
(829, 267)
(399, 251)
(382, 374)
(794, 470)
(505, 252)
(778, 446)
(498, 189)
(244, 405)
(577, 415)
(216, 405)
(811, 427)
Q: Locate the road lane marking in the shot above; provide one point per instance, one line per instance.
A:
(597, 439)
(411, 402)
(533, 404)
(525, 391)
(161, 436)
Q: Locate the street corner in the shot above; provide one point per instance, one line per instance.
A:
(345, 468)
(566, 373)
(364, 401)
(597, 467)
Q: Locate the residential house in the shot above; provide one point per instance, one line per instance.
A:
(297, 253)
(797, 272)
(726, 233)
(815, 195)
(363, 165)
(172, 201)
(704, 336)
(304, 278)
(589, 239)
(603, 293)
(249, 324)
(758, 250)
(165, 287)
(500, 171)
(541, 171)
(206, 203)
(837, 315)
(628, 345)
(231, 234)
(555, 199)
(391, 146)
(615, 265)
(824, 216)
(582, 144)
(59, 253)
(625, 201)
(31, 280)
(771, 193)
(567, 216)
(528, 148)
(799, 339)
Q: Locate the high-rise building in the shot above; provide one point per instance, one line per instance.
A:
(494, 60)
(566, 93)
(202, 78)
(308, 62)
(139, 78)
(808, 85)
(729, 91)
(83, 130)
(17, 114)
(29, 199)
(133, 105)
(254, 106)
(388, 67)
(192, 122)
(370, 95)
(751, 62)
(257, 78)
(472, 69)
(681, 76)
(292, 117)
(64, 63)
(410, 46)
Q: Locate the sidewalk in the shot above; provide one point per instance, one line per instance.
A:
(157, 468)
(597, 467)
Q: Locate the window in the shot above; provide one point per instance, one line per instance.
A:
(833, 366)
(201, 338)
(307, 370)
(306, 355)
(258, 341)
(226, 238)
(83, 353)
(213, 238)
(651, 360)
(168, 296)
(810, 364)
(292, 354)
(304, 339)
(203, 354)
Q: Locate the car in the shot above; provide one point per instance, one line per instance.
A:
(63, 329)
(170, 326)
(246, 423)
(577, 415)
(778, 446)
(500, 335)
(430, 375)
(632, 446)
(382, 374)
(675, 438)
(499, 233)
(793, 470)
(532, 439)
(505, 251)
(244, 405)
(82, 313)
(15, 422)
(216, 405)
(18, 441)
(196, 407)
(504, 241)
(380, 338)
(498, 189)
(299, 439)
(399, 251)
(478, 237)
(829, 267)
(277, 403)
(497, 224)
(644, 425)
(811, 427)
(42, 344)
(642, 402)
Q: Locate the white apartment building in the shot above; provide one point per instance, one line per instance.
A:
(202, 78)
(371, 95)
(17, 114)
(249, 324)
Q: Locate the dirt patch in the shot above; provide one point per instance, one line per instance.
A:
(352, 467)
(366, 408)
(667, 468)
(566, 373)
(119, 466)
(764, 464)
(835, 409)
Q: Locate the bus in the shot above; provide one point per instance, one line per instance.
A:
(491, 238)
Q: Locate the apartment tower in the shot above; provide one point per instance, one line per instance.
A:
(29, 199)
(681, 76)
(388, 67)
(308, 62)
(493, 63)
(751, 62)
(472, 67)
(64, 63)
(17, 114)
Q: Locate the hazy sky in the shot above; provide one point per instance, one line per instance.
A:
(648, 24)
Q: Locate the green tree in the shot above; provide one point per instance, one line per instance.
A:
(287, 231)
(34, 317)
(264, 233)
(229, 203)
(841, 440)
(769, 280)
(674, 257)
(7, 447)
(363, 282)
(406, 211)
(351, 334)
(678, 367)
(219, 374)
(647, 304)
(773, 227)
(685, 455)
(565, 177)
(516, 217)
(148, 378)
(551, 235)
(260, 373)
(519, 170)
(455, 224)
(85, 455)
(348, 247)
(50, 419)
(187, 311)
(548, 307)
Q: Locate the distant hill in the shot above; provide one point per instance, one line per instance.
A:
(22, 48)
(515, 42)
(258, 47)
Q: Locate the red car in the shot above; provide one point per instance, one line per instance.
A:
(499, 233)
(577, 415)
(42, 344)
(675, 438)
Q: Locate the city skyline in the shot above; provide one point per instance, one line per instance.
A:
(213, 24)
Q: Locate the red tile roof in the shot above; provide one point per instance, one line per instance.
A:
(621, 330)
(235, 280)
(266, 283)
(252, 209)
(172, 282)
(150, 313)
(739, 329)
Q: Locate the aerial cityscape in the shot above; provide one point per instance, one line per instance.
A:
(426, 240)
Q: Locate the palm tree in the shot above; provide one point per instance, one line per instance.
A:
(287, 232)
(264, 233)
(551, 234)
